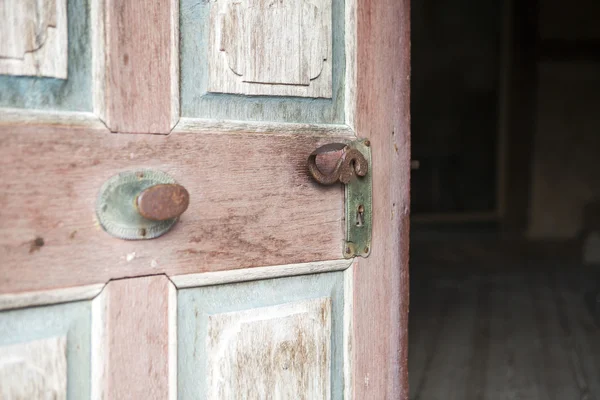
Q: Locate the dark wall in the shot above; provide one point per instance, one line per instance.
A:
(566, 161)
(454, 105)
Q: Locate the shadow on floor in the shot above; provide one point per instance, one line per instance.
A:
(503, 320)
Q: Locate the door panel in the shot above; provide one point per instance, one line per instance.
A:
(269, 337)
(240, 281)
(72, 91)
(209, 85)
(45, 352)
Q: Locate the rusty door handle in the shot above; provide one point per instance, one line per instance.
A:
(141, 204)
(351, 162)
(352, 168)
(163, 201)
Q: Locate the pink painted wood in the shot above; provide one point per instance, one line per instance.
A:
(137, 328)
(252, 203)
(142, 65)
(381, 281)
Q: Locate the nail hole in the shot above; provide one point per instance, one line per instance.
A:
(36, 244)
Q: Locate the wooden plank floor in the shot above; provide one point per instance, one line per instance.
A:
(520, 332)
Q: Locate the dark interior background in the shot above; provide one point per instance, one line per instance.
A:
(506, 113)
(505, 230)
(456, 53)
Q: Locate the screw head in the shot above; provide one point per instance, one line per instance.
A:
(367, 249)
(367, 143)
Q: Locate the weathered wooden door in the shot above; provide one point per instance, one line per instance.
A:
(248, 296)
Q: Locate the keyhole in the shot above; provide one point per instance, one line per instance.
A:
(360, 215)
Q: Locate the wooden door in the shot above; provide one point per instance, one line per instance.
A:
(248, 296)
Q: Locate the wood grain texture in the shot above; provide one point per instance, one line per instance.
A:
(278, 352)
(30, 299)
(197, 100)
(242, 187)
(259, 47)
(349, 331)
(57, 337)
(142, 66)
(258, 273)
(243, 127)
(351, 63)
(99, 53)
(34, 38)
(19, 117)
(138, 337)
(261, 306)
(381, 281)
(519, 330)
(34, 370)
(45, 93)
(99, 342)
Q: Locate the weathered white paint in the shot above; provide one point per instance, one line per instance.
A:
(262, 298)
(174, 65)
(37, 298)
(266, 47)
(348, 326)
(33, 38)
(98, 38)
(172, 341)
(198, 125)
(34, 370)
(99, 346)
(351, 61)
(278, 352)
(259, 273)
(18, 116)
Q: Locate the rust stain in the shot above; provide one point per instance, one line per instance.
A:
(36, 244)
(163, 202)
(351, 162)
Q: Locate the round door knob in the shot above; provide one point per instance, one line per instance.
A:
(163, 202)
(143, 204)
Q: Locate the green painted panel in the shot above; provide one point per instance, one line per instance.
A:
(197, 103)
(72, 94)
(70, 319)
(195, 305)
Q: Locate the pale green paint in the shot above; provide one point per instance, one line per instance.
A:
(197, 103)
(359, 193)
(72, 94)
(194, 305)
(70, 319)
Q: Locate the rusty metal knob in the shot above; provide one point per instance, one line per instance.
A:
(350, 163)
(142, 204)
(163, 202)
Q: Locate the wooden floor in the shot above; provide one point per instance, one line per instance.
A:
(519, 332)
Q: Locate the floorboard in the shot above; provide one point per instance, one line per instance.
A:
(518, 332)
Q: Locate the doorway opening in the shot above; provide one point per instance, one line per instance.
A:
(505, 242)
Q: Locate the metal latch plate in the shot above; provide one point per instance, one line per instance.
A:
(359, 207)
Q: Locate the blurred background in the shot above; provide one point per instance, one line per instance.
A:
(505, 243)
